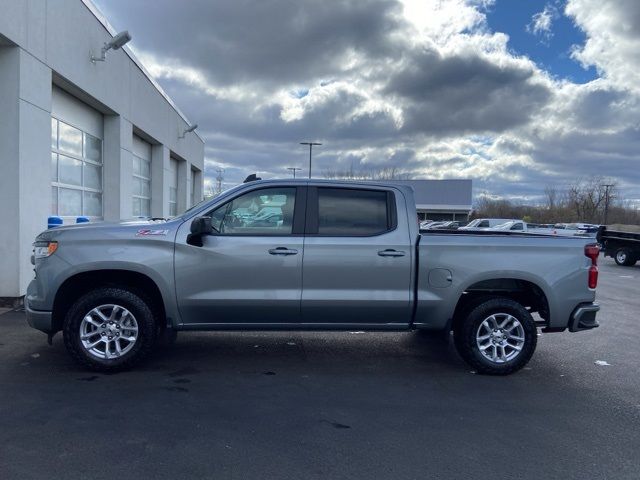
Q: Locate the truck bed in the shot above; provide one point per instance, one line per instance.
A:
(451, 263)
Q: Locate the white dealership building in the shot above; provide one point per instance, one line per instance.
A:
(81, 137)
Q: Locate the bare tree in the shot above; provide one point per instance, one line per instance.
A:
(587, 198)
(583, 201)
(551, 194)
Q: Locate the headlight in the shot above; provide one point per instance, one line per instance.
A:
(44, 249)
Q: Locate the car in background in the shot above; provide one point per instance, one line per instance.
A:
(486, 223)
(575, 229)
(425, 223)
(560, 229)
(452, 225)
(515, 226)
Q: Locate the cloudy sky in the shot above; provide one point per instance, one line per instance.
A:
(517, 95)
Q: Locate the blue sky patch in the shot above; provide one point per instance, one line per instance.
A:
(551, 52)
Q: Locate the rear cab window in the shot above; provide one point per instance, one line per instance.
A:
(351, 212)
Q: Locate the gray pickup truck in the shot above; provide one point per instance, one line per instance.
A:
(307, 255)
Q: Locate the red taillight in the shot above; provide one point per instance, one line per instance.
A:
(593, 276)
(592, 251)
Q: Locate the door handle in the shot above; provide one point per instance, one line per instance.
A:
(283, 251)
(391, 253)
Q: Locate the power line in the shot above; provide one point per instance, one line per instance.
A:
(294, 169)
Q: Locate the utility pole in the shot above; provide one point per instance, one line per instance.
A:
(294, 169)
(606, 202)
(219, 180)
(311, 144)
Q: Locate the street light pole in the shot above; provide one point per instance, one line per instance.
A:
(294, 169)
(311, 144)
(606, 201)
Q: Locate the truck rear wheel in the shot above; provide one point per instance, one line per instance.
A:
(624, 258)
(109, 329)
(497, 337)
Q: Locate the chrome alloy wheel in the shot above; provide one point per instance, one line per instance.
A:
(500, 337)
(621, 256)
(108, 331)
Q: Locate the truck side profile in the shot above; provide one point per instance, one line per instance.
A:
(307, 255)
(620, 244)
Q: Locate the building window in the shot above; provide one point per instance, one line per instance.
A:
(141, 189)
(76, 171)
(173, 187)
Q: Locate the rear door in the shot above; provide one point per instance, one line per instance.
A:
(358, 257)
(250, 272)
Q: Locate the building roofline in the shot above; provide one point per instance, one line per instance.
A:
(423, 206)
(112, 31)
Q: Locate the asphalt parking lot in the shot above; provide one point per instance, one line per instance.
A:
(329, 405)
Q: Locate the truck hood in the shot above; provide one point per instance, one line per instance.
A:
(105, 228)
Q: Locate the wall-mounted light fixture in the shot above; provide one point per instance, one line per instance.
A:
(189, 130)
(115, 43)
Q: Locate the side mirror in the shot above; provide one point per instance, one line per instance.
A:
(199, 226)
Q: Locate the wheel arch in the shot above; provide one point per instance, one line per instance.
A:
(80, 283)
(526, 292)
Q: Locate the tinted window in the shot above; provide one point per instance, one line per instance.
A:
(483, 224)
(268, 211)
(344, 211)
(517, 226)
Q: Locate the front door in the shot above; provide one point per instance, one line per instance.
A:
(250, 270)
(357, 260)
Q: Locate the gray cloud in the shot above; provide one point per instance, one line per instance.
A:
(437, 96)
(263, 43)
(466, 93)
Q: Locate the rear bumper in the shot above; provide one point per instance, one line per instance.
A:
(584, 317)
(38, 319)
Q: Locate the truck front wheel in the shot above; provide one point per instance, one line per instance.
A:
(109, 329)
(497, 337)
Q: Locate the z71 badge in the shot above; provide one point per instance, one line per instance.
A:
(148, 232)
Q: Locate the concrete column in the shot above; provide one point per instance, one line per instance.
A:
(159, 181)
(189, 184)
(10, 167)
(25, 163)
(117, 168)
(199, 185)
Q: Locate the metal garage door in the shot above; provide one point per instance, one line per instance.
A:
(76, 158)
(141, 189)
(173, 187)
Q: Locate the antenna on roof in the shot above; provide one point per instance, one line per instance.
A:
(252, 178)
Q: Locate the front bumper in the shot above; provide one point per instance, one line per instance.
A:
(38, 319)
(584, 317)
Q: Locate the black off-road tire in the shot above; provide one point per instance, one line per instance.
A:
(141, 309)
(624, 258)
(466, 329)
